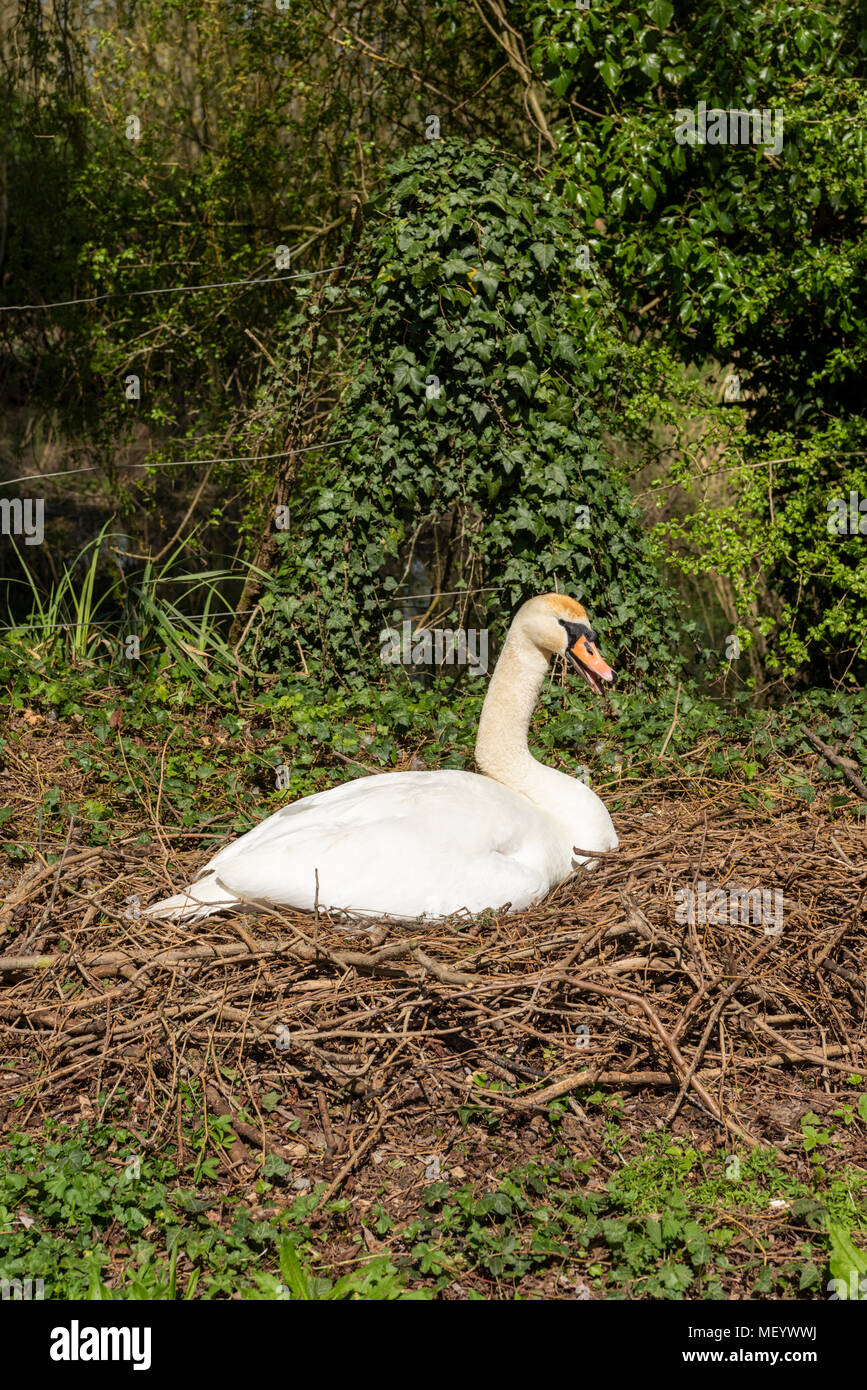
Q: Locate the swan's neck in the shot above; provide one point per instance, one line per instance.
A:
(501, 745)
(574, 817)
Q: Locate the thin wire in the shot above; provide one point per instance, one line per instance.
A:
(176, 463)
(447, 593)
(244, 612)
(172, 289)
(240, 612)
(186, 617)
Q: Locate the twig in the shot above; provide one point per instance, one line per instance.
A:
(672, 725)
(352, 1160)
(835, 760)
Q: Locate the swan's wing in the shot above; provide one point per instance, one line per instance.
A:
(400, 844)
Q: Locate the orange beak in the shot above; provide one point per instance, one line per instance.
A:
(586, 658)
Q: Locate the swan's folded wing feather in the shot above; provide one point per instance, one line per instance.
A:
(401, 844)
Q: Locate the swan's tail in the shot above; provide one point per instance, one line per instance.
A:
(201, 899)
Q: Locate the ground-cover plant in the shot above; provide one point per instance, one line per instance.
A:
(217, 769)
(92, 1215)
(669, 1223)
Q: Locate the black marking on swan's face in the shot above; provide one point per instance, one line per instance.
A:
(576, 630)
(583, 655)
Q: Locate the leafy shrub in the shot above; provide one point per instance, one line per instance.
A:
(743, 256)
(474, 458)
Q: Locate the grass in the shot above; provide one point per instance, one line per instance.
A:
(98, 619)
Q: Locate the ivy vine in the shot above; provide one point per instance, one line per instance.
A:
(475, 473)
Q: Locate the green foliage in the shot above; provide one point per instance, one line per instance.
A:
(744, 256)
(473, 427)
(102, 1220)
(253, 130)
(667, 1225)
(203, 194)
(752, 256)
(377, 1281)
(848, 1263)
(102, 616)
(94, 1217)
(798, 580)
(253, 136)
(65, 618)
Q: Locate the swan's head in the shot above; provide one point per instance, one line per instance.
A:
(559, 626)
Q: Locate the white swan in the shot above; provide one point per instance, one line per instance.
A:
(429, 844)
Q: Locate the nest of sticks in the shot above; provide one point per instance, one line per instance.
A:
(635, 977)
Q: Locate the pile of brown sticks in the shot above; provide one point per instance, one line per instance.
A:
(608, 983)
